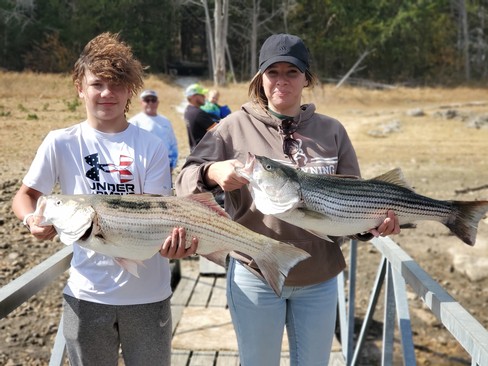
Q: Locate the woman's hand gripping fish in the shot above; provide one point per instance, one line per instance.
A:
(133, 227)
(342, 206)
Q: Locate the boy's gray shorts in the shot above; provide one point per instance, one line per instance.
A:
(95, 332)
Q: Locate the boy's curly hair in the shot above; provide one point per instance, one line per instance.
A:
(109, 58)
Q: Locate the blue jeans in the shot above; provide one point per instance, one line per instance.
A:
(259, 318)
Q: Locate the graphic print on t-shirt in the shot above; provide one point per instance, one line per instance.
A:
(123, 171)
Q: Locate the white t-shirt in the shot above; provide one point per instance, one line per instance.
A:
(161, 127)
(84, 160)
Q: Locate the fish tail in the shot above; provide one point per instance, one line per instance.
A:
(129, 265)
(276, 260)
(464, 220)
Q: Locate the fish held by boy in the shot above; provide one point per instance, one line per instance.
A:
(332, 205)
(132, 228)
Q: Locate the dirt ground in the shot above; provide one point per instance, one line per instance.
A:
(439, 137)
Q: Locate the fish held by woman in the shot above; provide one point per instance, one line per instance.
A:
(332, 205)
(132, 228)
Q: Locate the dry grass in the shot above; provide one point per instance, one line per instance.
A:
(425, 147)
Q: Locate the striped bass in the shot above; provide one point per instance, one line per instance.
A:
(134, 227)
(343, 206)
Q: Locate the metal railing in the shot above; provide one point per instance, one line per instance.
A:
(396, 270)
(15, 293)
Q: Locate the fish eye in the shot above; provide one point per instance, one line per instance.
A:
(268, 167)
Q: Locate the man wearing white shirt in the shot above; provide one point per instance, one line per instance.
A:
(149, 119)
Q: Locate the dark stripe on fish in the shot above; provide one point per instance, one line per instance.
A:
(118, 204)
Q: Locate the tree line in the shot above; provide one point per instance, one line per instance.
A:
(390, 41)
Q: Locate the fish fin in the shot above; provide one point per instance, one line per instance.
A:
(464, 220)
(292, 215)
(394, 176)
(313, 218)
(130, 265)
(367, 236)
(319, 217)
(208, 199)
(312, 214)
(408, 225)
(219, 257)
(320, 235)
(276, 260)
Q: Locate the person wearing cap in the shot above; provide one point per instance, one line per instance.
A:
(198, 122)
(277, 125)
(150, 120)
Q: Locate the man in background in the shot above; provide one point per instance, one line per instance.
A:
(198, 122)
(149, 119)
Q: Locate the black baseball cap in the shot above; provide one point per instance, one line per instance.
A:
(283, 48)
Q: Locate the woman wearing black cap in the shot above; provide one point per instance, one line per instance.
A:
(275, 124)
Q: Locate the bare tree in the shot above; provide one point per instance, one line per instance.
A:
(464, 36)
(353, 68)
(256, 5)
(479, 42)
(256, 24)
(287, 6)
(210, 40)
(23, 14)
(216, 37)
(221, 16)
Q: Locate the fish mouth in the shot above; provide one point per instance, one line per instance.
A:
(87, 233)
(39, 218)
(252, 171)
(247, 170)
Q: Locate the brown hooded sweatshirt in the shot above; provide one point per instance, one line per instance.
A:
(325, 149)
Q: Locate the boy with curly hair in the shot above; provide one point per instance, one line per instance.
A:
(105, 307)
